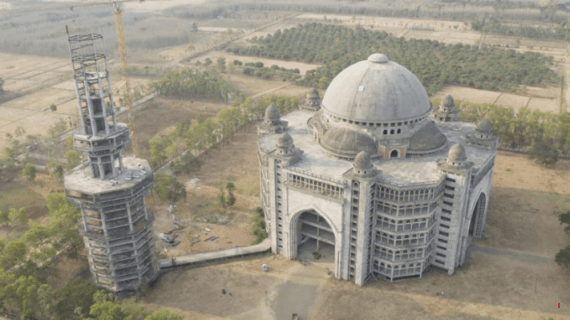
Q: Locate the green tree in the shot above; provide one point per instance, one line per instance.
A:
(55, 169)
(258, 226)
(564, 217)
(562, 258)
(4, 213)
(221, 64)
(323, 83)
(53, 108)
(73, 159)
(543, 152)
(1, 87)
(164, 314)
(75, 293)
(157, 148)
(231, 198)
(29, 171)
(182, 127)
(14, 253)
(168, 188)
(18, 216)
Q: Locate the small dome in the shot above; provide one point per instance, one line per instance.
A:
(447, 101)
(456, 153)
(344, 142)
(285, 141)
(428, 138)
(485, 126)
(313, 92)
(272, 114)
(375, 90)
(362, 161)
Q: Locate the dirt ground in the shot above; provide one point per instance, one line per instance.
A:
(230, 163)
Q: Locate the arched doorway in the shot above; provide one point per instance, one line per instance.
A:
(314, 238)
(394, 154)
(477, 218)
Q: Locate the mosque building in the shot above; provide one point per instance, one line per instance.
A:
(372, 179)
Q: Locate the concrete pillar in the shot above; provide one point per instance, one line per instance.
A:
(362, 238)
(129, 215)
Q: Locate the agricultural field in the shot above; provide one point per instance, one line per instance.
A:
(541, 99)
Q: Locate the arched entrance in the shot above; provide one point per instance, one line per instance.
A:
(394, 154)
(313, 239)
(477, 218)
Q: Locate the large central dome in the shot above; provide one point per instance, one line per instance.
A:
(376, 90)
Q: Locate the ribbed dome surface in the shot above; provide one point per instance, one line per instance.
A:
(376, 90)
(428, 138)
(362, 161)
(344, 142)
(456, 153)
(271, 113)
(485, 126)
(285, 141)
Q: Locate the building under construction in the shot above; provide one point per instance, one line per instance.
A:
(109, 189)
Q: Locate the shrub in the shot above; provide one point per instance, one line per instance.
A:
(29, 171)
(258, 226)
(544, 153)
(168, 188)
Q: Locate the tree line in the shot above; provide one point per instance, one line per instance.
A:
(538, 132)
(193, 83)
(188, 140)
(492, 25)
(434, 63)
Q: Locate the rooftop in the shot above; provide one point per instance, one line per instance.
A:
(79, 178)
(394, 171)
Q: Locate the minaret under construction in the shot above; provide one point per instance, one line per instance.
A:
(116, 225)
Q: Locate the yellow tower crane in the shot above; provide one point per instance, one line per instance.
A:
(120, 44)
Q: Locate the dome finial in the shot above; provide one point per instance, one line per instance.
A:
(378, 58)
(485, 126)
(362, 161)
(456, 154)
(447, 101)
(272, 114)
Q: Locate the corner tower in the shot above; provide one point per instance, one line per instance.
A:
(108, 189)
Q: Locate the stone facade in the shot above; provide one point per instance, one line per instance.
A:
(388, 196)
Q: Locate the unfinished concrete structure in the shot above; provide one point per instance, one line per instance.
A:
(372, 181)
(109, 189)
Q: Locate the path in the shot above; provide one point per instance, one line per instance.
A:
(214, 256)
(269, 91)
(513, 255)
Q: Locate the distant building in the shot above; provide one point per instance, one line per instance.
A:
(371, 181)
(108, 189)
